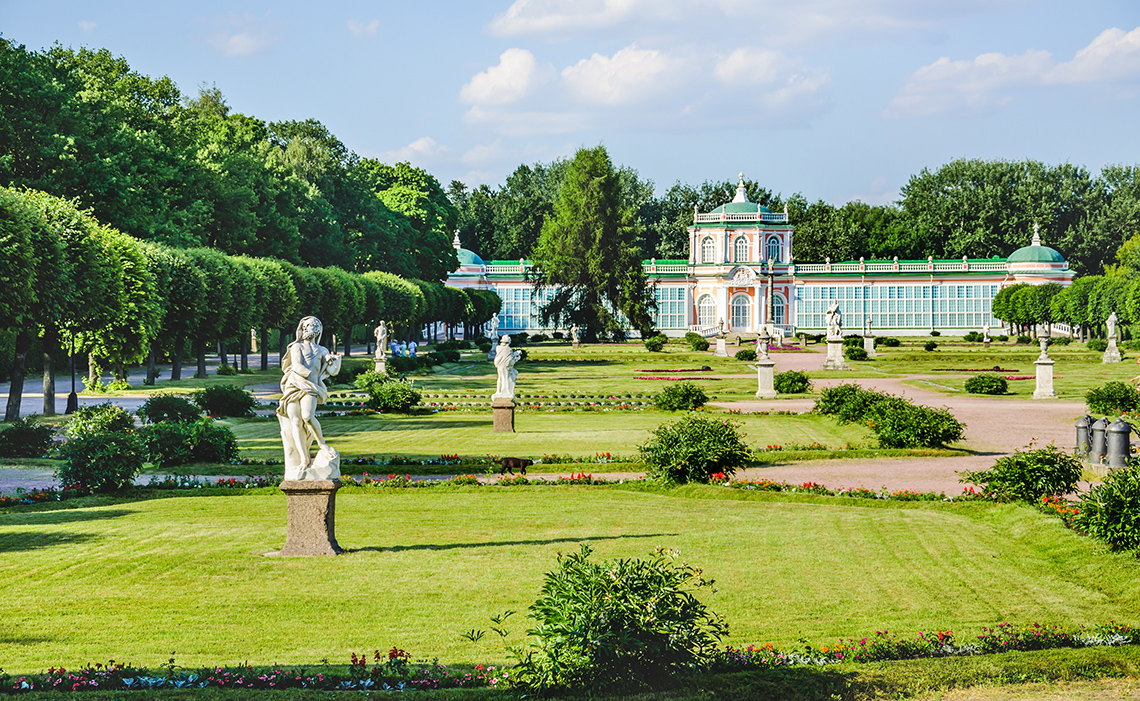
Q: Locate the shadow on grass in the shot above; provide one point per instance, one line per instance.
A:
(501, 543)
(47, 518)
(24, 541)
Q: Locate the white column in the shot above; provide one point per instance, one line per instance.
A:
(758, 316)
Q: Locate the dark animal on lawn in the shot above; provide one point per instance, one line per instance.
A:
(510, 464)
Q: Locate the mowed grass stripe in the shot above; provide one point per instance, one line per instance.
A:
(187, 575)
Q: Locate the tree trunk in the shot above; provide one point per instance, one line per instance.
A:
(94, 372)
(347, 343)
(120, 370)
(200, 351)
(281, 343)
(223, 355)
(19, 360)
(176, 360)
(245, 352)
(151, 367)
(51, 342)
(264, 349)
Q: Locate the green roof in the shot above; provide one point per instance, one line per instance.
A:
(467, 257)
(1036, 254)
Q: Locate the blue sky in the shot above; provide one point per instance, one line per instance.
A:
(837, 99)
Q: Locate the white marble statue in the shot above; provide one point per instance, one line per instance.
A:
(574, 334)
(304, 368)
(834, 321)
(1110, 325)
(494, 327)
(986, 332)
(866, 324)
(505, 359)
(381, 339)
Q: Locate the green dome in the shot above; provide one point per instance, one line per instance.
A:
(467, 257)
(1035, 254)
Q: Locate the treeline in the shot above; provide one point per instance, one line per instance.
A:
(187, 172)
(969, 208)
(87, 288)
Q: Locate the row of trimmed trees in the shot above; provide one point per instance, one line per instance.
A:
(88, 288)
(1087, 303)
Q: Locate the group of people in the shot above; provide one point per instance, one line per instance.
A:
(398, 349)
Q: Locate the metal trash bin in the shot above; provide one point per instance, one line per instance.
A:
(1116, 440)
(1083, 442)
(1097, 445)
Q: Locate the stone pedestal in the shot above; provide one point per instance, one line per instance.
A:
(574, 344)
(1044, 378)
(503, 413)
(1112, 353)
(985, 344)
(869, 346)
(835, 359)
(380, 365)
(765, 379)
(721, 348)
(311, 507)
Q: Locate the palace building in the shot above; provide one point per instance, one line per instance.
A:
(740, 271)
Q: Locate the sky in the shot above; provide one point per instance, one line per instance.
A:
(836, 99)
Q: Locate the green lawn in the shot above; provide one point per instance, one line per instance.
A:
(537, 433)
(186, 577)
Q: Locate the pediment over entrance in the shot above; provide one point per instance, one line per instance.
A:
(743, 276)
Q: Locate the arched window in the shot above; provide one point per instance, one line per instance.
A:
(741, 312)
(773, 252)
(708, 250)
(779, 310)
(706, 311)
(740, 250)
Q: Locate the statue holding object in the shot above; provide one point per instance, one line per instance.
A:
(304, 368)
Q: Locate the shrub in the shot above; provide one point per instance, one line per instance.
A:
(225, 400)
(1110, 511)
(349, 371)
(557, 335)
(855, 353)
(1003, 338)
(387, 395)
(26, 438)
(847, 402)
(538, 338)
(404, 364)
(1024, 340)
(973, 337)
(456, 345)
(519, 339)
(682, 396)
(485, 346)
(618, 625)
(699, 344)
(1112, 398)
(746, 354)
(986, 384)
(935, 333)
(654, 344)
(1028, 475)
(852, 341)
(900, 424)
(1097, 345)
(439, 357)
(693, 448)
(929, 346)
(792, 382)
(168, 408)
(887, 341)
(100, 462)
(226, 369)
(691, 336)
(1065, 340)
(100, 418)
(181, 443)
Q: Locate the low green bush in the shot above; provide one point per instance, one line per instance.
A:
(682, 396)
(655, 344)
(1002, 338)
(1028, 475)
(694, 448)
(895, 421)
(519, 339)
(226, 370)
(98, 419)
(696, 342)
(203, 440)
(855, 353)
(1024, 340)
(973, 337)
(456, 345)
(746, 354)
(485, 347)
(225, 400)
(620, 625)
(1097, 345)
(1110, 511)
(168, 408)
(557, 335)
(349, 371)
(402, 364)
(986, 384)
(852, 341)
(385, 394)
(538, 338)
(888, 342)
(26, 438)
(929, 346)
(1112, 398)
(1065, 340)
(792, 382)
(439, 357)
(100, 462)
(935, 333)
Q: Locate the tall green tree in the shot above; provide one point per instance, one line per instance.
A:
(587, 254)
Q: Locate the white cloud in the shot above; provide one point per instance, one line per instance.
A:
(559, 16)
(422, 150)
(988, 80)
(755, 66)
(511, 79)
(482, 154)
(359, 29)
(630, 75)
(87, 26)
(243, 35)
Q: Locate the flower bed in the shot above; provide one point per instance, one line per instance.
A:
(993, 369)
(671, 378)
(705, 368)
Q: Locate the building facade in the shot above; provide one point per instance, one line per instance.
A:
(740, 272)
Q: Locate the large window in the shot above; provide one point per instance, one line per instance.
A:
(706, 311)
(520, 307)
(670, 307)
(779, 310)
(741, 312)
(708, 250)
(891, 306)
(740, 250)
(773, 252)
